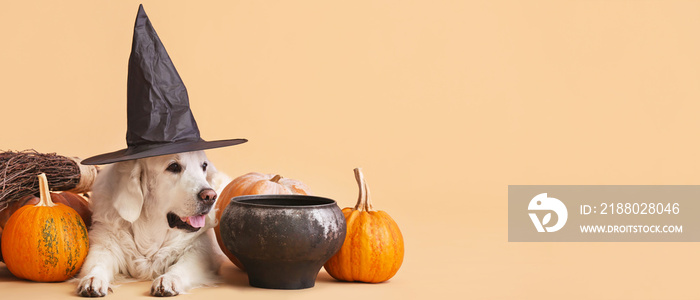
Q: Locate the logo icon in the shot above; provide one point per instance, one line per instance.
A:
(542, 202)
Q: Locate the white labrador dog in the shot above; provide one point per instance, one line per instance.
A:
(152, 220)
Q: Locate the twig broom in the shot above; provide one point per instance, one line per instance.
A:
(19, 170)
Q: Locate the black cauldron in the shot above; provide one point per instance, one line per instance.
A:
(282, 240)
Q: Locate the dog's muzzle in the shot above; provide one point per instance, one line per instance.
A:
(206, 199)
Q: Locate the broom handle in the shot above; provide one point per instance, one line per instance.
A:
(87, 177)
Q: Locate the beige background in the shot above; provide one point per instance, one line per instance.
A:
(443, 103)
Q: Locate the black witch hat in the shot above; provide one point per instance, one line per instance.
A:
(159, 119)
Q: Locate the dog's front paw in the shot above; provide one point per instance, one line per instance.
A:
(92, 286)
(166, 286)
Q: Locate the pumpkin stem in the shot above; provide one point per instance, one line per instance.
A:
(276, 179)
(364, 202)
(44, 193)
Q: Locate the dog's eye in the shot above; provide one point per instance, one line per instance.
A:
(174, 167)
(204, 166)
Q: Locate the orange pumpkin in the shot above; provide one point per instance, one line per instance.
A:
(75, 201)
(373, 248)
(45, 242)
(254, 183)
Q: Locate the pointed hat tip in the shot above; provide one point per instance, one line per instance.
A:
(141, 10)
(141, 17)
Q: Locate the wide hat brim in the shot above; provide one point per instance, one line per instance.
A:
(143, 151)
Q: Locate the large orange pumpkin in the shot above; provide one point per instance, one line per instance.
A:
(45, 242)
(373, 248)
(254, 183)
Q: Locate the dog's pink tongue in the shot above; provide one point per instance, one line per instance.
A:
(196, 221)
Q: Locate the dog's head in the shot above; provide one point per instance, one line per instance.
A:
(179, 187)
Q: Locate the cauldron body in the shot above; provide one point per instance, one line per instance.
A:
(282, 240)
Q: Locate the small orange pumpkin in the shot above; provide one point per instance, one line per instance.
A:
(373, 248)
(45, 242)
(254, 183)
(75, 201)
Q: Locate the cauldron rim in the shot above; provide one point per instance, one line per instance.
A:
(312, 202)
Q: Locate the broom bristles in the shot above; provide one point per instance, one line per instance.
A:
(19, 170)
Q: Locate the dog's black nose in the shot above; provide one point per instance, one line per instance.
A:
(208, 196)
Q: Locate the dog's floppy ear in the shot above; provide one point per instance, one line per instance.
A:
(128, 196)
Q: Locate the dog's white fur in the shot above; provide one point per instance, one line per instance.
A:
(130, 235)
